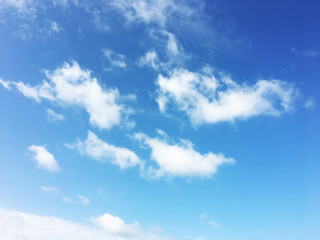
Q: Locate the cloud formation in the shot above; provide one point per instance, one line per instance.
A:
(103, 151)
(206, 98)
(18, 225)
(44, 159)
(5, 84)
(180, 159)
(115, 59)
(71, 85)
(166, 54)
(52, 115)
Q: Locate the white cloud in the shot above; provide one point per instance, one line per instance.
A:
(156, 11)
(5, 84)
(45, 160)
(55, 27)
(52, 115)
(72, 85)
(67, 200)
(213, 224)
(309, 103)
(103, 151)
(116, 225)
(84, 200)
(50, 189)
(18, 225)
(115, 59)
(207, 99)
(170, 50)
(22, 8)
(180, 160)
(305, 53)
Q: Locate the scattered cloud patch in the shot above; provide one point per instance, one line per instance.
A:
(309, 104)
(305, 53)
(206, 98)
(103, 151)
(157, 11)
(115, 60)
(5, 84)
(18, 225)
(170, 50)
(68, 200)
(180, 159)
(50, 189)
(53, 116)
(84, 200)
(71, 85)
(44, 159)
(55, 27)
(213, 224)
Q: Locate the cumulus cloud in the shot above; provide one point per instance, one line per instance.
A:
(44, 159)
(180, 159)
(103, 151)
(206, 98)
(18, 225)
(115, 59)
(53, 116)
(5, 84)
(71, 85)
(116, 225)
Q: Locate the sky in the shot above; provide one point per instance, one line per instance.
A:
(159, 120)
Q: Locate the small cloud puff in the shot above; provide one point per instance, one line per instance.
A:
(44, 159)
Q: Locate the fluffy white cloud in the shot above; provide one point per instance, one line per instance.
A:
(45, 160)
(72, 85)
(180, 159)
(84, 200)
(103, 151)
(52, 115)
(208, 99)
(115, 59)
(18, 225)
(116, 225)
(5, 84)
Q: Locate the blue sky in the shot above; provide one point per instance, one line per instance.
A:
(159, 119)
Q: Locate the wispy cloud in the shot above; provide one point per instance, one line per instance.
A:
(18, 225)
(44, 159)
(85, 201)
(207, 98)
(306, 53)
(103, 151)
(180, 159)
(53, 116)
(170, 50)
(71, 85)
(115, 60)
(67, 200)
(50, 189)
(5, 84)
